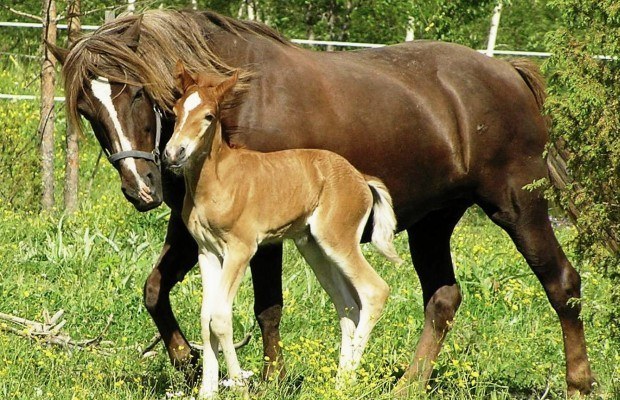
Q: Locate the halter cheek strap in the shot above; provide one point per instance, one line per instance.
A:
(150, 156)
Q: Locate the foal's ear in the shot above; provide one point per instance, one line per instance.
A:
(224, 87)
(182, 78)
(59, 53)
(132, 35)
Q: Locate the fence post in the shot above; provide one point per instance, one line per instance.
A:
(46, 122)
(497, 13)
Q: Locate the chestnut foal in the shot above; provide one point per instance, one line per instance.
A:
(237, 199)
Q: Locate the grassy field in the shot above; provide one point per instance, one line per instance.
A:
(506, 341)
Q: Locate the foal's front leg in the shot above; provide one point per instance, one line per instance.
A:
(211, 273)
(234, 266)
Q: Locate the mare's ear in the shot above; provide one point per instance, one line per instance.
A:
(59, 53)
(132, 35)
(224, 87)
(182, 78)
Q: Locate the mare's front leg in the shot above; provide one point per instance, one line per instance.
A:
(266, 266)
(429, 242)
(178, 256)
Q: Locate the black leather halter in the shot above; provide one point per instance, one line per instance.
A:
(150, 156)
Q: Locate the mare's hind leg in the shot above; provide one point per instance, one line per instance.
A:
(266, 266)
(429, 243)
(179, 255)
(524, 216)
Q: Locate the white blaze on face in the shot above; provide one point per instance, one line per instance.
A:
(191, 102)
(103, 92)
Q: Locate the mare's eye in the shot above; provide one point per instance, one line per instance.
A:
(209, 117)
(139, 94)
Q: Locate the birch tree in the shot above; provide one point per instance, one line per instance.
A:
(71, 143)
(46, 124)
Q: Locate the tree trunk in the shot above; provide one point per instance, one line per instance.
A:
(343, 36)
(46, 123)
(72, 145)
(331, 22)
(410, 35)
(497, 13)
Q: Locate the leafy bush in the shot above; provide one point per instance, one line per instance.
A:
(584, 103)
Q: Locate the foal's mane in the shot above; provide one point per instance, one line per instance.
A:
(165, 37)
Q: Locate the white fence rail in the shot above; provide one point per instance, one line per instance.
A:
(20, 97)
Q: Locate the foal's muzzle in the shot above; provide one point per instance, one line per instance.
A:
(174, 158)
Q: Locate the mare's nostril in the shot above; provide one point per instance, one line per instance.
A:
(181, 152)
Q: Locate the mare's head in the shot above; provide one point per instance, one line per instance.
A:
(197, 114)
(115, 76)
(123, 115)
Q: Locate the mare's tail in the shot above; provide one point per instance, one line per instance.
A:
(530, 73)
(384, 220)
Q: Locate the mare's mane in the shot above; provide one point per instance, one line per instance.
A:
(165, 37)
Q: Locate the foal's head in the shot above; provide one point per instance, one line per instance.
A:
(197, 114)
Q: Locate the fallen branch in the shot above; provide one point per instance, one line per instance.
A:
(48, 331)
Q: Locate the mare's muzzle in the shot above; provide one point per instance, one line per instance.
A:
(140, 173)
(141, 183)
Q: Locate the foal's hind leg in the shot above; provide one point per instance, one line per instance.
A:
(429, 243)
(342, 248)
(339, 290)
(523, 215)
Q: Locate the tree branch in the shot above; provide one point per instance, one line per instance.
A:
(23, 14)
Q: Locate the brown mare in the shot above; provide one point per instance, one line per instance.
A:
(442, 125)
(238, 199)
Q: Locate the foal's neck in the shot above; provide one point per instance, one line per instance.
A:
(203, 164)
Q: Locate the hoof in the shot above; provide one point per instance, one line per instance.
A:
(191, 368)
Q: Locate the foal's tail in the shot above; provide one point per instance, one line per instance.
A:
(384, 220)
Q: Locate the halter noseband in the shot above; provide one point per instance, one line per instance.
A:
(152, 156)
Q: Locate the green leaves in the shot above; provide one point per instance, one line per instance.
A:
(584, 104)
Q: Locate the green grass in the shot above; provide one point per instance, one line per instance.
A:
(506, 342)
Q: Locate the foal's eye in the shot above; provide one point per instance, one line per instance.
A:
(209, 117)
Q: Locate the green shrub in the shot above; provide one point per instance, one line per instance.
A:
(584, 103)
